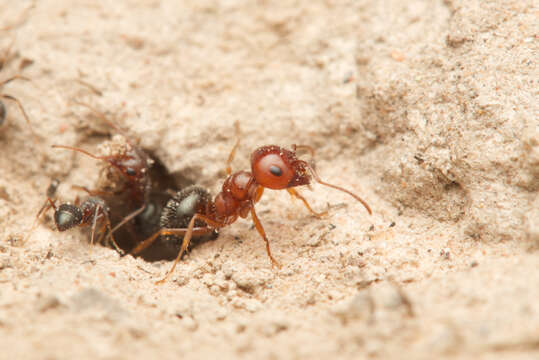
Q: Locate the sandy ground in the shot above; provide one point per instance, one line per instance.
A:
(428, 109)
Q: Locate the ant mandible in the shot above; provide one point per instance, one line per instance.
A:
(272, 167)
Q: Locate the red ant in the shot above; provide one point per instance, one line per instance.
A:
(272, 167)
(132, 163)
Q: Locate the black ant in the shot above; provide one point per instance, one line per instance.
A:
(90, 212)
(66, 215)
(272, 167)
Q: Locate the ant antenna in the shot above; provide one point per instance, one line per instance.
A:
(320, 181)
(78, 150)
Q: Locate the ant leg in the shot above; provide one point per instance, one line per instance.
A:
(110, 237)
(94, 224)
(294, 193)
(310, 149)
(21, 108)
(233, 151)
(128, 218)
(187, 238)
(318, 180)
(91, 192)
(179, 231)
(258, 194)
(44, 208)
(262, 233)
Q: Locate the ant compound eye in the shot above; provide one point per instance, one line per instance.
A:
(275, 170)
(130, 171)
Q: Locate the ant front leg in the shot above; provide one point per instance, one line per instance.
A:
(294, 193)
(108, 227)
(262, 233)
(233, 151)
(49, 203)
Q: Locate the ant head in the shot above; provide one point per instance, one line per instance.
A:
(67, 216)
(276, 168)
(131, 167)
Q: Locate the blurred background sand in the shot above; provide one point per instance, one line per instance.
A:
(427, 109)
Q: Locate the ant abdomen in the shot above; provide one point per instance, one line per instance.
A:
(67, 216)
(181, 208)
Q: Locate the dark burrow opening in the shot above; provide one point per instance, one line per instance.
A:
(165, 186)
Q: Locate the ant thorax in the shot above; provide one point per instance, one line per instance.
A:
(93, 206)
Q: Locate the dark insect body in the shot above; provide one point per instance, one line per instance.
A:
(91, 212)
